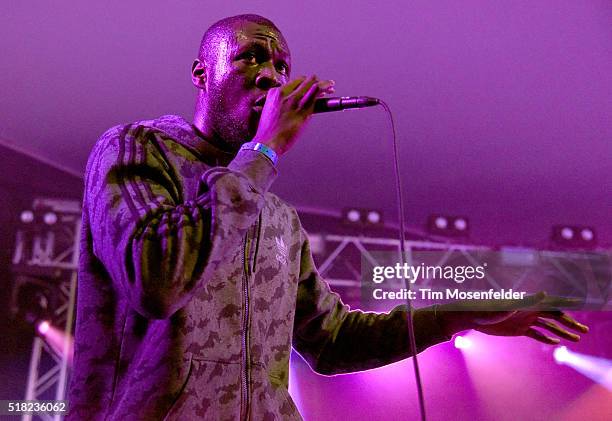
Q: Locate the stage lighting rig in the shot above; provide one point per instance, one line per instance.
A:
(362, 217)
(44, 268)
(448, 226)
(34, 300)
(574, 236)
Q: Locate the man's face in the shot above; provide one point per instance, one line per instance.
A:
(247, 64)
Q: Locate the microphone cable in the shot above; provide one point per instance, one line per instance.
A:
(402, 235)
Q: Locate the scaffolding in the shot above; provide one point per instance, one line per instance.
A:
(583, 274)
(44, 265)
(46, 254)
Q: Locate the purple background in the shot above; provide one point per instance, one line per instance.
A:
(503, 108)
(502, 111)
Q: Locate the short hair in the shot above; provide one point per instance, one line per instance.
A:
(225, 27)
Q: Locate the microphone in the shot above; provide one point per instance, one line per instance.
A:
(325, 105)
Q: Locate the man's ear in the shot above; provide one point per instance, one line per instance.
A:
(198, 74)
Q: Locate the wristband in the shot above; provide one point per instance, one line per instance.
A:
(260, 147)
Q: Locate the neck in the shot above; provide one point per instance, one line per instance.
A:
(201, 120)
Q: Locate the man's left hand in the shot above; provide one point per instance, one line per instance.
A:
(514, 318)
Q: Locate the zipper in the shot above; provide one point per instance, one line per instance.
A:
(246, 263)
(245, 328)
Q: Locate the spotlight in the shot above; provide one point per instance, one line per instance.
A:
(374, 217)
(33, 300)
(43, 327)
(27, 216)
(572, 236)
(460, 224)
(561, 354)
(461, 342)
(362, 217)
(60, 343)
(449, 226)
(441, 222)
(353, 215)
(50, 218)
(595, 368)
(587, 234)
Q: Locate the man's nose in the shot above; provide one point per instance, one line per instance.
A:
(267, 78)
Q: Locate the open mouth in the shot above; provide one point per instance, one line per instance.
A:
(259, 103)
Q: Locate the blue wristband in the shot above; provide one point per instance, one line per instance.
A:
(260, 147)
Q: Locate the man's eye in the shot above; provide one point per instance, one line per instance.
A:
(282, 68)
(250, 57)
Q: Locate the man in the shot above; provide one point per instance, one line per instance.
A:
(196, 281)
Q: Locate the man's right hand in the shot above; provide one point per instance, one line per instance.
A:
(286, 110)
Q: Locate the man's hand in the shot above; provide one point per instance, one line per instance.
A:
(286, 110)
(514, 318)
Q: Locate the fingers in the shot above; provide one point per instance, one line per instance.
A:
(540, 337)
(562, 318)
(565, 319)
(553, 328)
(308, 89)
(327, 87)
(301, 90)
(317, 90)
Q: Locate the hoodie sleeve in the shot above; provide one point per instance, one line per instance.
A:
(155, 245)
(334, 339)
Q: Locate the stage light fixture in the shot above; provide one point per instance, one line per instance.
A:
(448, 226)
(27, 216)
(441, 222)
(573, 236)
(50, 218)
(460, 224)
(353, 215)
(362, 217)
(567, 233)
(33, 300)
(587, 234)
(561, 354)
(374, 217)
(43, 327)
(461, 342)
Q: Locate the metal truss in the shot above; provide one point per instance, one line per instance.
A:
(367, 246)
(568, 268)
(46, 255)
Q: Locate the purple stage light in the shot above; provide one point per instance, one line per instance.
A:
(597, 369)
(561, 354)
(27, 216)
(567, 233)
(353, 215)
(461, 342)
(43, 327)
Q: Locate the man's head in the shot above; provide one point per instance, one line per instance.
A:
(240, 58)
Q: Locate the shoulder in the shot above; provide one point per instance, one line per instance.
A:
(133, 144)
(167, 126)
(134, 140)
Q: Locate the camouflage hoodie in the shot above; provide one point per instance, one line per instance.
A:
(195, 282)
